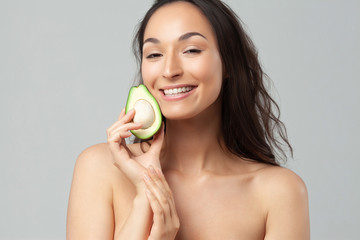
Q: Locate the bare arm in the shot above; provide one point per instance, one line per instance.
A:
(90, 213)
(137, 224)
(90, 210)
(288, 210)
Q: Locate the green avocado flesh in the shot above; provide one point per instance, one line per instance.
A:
(147, 111)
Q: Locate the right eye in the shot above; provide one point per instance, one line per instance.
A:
(153, 55)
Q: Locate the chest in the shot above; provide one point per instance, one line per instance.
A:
(218, 210)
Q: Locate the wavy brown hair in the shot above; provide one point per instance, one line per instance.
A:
(251, 123)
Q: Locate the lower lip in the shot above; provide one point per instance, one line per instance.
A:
(178, 96)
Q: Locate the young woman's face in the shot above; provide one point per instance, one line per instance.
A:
(181, 64)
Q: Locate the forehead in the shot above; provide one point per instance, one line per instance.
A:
(175, 19)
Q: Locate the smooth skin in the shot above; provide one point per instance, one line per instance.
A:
(184, 185)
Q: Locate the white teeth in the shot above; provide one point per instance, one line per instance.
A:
(176, 91)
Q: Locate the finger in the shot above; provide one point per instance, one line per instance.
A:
(168, 191)
(155, 185)
(164, 182)
(121, 153)
(158, 216)
(122, 114)
(123, 120)
(157, 142)
(155, 205)
(128, 116)
(123, 131)
(163, 220)
(117, 144)
(157, 179)
(166, 220)
(117, 136)
(157, 190)
(126, 126)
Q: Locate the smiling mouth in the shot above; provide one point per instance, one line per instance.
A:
(177, 91)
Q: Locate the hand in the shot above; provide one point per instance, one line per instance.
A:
(165, 219)
(132, 166)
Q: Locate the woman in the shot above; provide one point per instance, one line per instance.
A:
(213, 174)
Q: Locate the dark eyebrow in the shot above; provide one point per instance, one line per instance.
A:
(152, 40)
(181, 38)
(189, 35)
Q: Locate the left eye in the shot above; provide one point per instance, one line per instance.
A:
(193, 51)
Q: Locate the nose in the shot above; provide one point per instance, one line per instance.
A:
(172, 67)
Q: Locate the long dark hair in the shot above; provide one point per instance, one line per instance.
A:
(250, 117)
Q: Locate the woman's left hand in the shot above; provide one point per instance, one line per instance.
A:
(165, 219)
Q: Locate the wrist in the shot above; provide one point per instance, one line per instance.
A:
(141, 199)
(140, 188)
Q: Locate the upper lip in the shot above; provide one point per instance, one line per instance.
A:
(177, 86)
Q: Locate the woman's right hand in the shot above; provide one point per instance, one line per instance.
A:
(132, 166)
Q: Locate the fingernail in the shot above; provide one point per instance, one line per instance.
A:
(146, 177)
(152, 170)
(148, 192)
(159, 173)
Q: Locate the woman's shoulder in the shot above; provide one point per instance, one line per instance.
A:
(269, 176)
(95, 154)
(281, 189)
(276, 178)
(95, 161)
(275, 181)
(95, 165)
(269, 181)
(99, 155)
(98, 189)
(284, 198)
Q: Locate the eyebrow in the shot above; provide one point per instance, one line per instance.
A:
(181, 38)
(189, 35)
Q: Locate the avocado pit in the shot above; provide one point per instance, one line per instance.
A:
(144, 113)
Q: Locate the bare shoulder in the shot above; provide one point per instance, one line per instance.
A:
(269, 179)
(279, 185)
(285, 200)
(90, 200)
(98, 155)
(96, 164)
(98, 189)
(278, 181)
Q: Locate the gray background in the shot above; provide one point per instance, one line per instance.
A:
(65, 70)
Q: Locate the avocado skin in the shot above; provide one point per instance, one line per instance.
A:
(141, 92)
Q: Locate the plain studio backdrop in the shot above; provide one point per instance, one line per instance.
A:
(66, 68)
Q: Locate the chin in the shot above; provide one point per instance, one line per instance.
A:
(172, 115)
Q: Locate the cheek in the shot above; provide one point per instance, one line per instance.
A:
(209, 70)
(149, 72)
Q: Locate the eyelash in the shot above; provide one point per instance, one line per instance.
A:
(190, 51)
(154, 55)
(193, 51)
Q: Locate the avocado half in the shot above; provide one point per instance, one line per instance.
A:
(147, 111)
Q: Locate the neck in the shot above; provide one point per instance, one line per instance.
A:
(193, 145)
